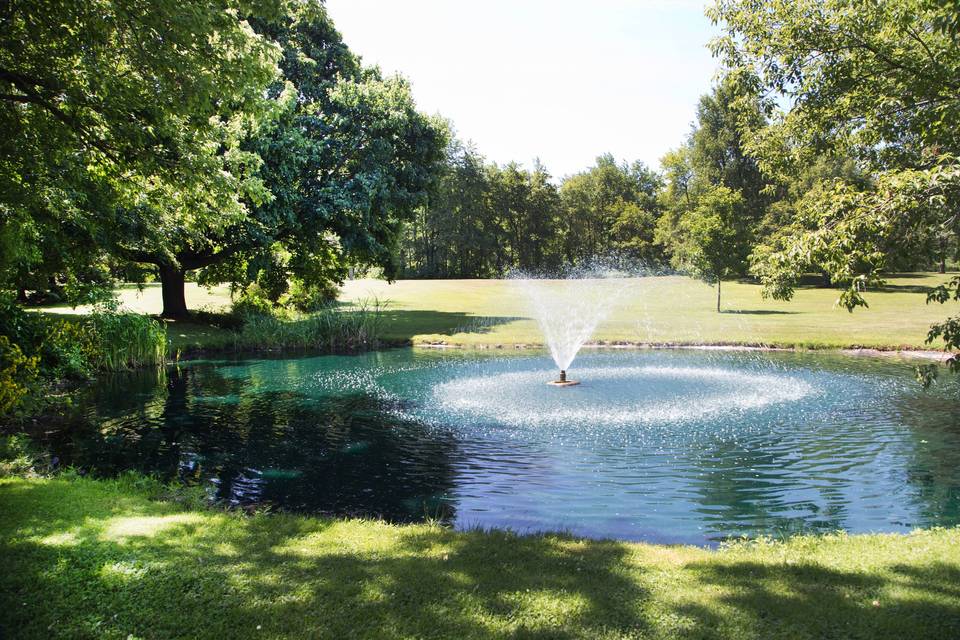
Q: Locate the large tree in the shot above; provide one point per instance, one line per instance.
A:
(715, 156)
(113, 111)
(346, 159)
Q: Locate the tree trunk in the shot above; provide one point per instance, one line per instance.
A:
(172, 287)
(943, 254)
(718, 295)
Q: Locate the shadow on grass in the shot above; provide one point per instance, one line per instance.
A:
(776, 600)
(759, 312)
(403, 325)
(111, 570)
(903, 288)
(99, 565)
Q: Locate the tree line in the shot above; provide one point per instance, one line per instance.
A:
(710, 209)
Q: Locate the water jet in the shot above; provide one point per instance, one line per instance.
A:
(568, 309)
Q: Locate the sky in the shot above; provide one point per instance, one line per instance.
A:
(556, 80)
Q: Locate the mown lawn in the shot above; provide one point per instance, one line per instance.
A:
(87, 558)
(667, 309)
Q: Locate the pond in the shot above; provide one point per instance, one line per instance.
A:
(676, 446)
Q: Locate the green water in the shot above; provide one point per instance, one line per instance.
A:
(667, 446)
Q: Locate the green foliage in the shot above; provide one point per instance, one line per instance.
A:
(63, 347)
(308, 298)
(18, 373)
(226, 135)
(713, 239)
(106, 340)
(252, 302)
(609, 207)
(876, 82)
(18, 456)
(124, 119)
(344, 159)
(486, 220)
(716, 156)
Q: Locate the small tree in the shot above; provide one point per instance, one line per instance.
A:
(715, 241)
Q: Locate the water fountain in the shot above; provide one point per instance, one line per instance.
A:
(569, 309)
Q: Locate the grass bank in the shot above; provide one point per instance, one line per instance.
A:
(89, 558)
(657, 310)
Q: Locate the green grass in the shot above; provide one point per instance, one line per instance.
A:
(89, 558)
(668, 309)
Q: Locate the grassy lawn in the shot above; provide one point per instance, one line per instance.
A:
(105, 559)
(668, 309)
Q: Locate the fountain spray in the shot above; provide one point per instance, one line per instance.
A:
(568, 310)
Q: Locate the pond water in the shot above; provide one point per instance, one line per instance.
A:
(666, 446)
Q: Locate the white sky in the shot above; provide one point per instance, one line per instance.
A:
(559, 80)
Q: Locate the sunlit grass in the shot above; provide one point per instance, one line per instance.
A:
(668, 309)
(107, 559)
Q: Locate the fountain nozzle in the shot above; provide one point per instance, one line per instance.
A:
(563, 382)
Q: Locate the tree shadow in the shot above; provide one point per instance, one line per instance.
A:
(153, 571)
(403, 325)
(893, 602)
(104, 564)
(759, 312)
(903, 288)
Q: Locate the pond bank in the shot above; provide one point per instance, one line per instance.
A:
(902, 352)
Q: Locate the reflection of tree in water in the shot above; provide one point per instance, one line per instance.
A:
(753, 491)
(347, 454)
(932, 471)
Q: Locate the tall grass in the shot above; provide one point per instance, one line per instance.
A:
(126, 341)
(353, 328)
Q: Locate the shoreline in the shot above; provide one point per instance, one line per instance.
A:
(909, 353)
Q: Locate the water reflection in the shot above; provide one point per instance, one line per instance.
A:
(345, 455)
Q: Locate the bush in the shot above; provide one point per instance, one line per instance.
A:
(252, 302)
(18, 373)
(313, 297)
(68, 349)
(62, 346)
(107, 340)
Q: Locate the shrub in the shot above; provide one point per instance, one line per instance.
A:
(75, 347)
(68, 349)
(18, 373)
(253, 302)
(17, 456)
(313, 297)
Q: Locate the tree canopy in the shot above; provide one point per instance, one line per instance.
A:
(185, 139)
(873, 81)
(116, 113)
